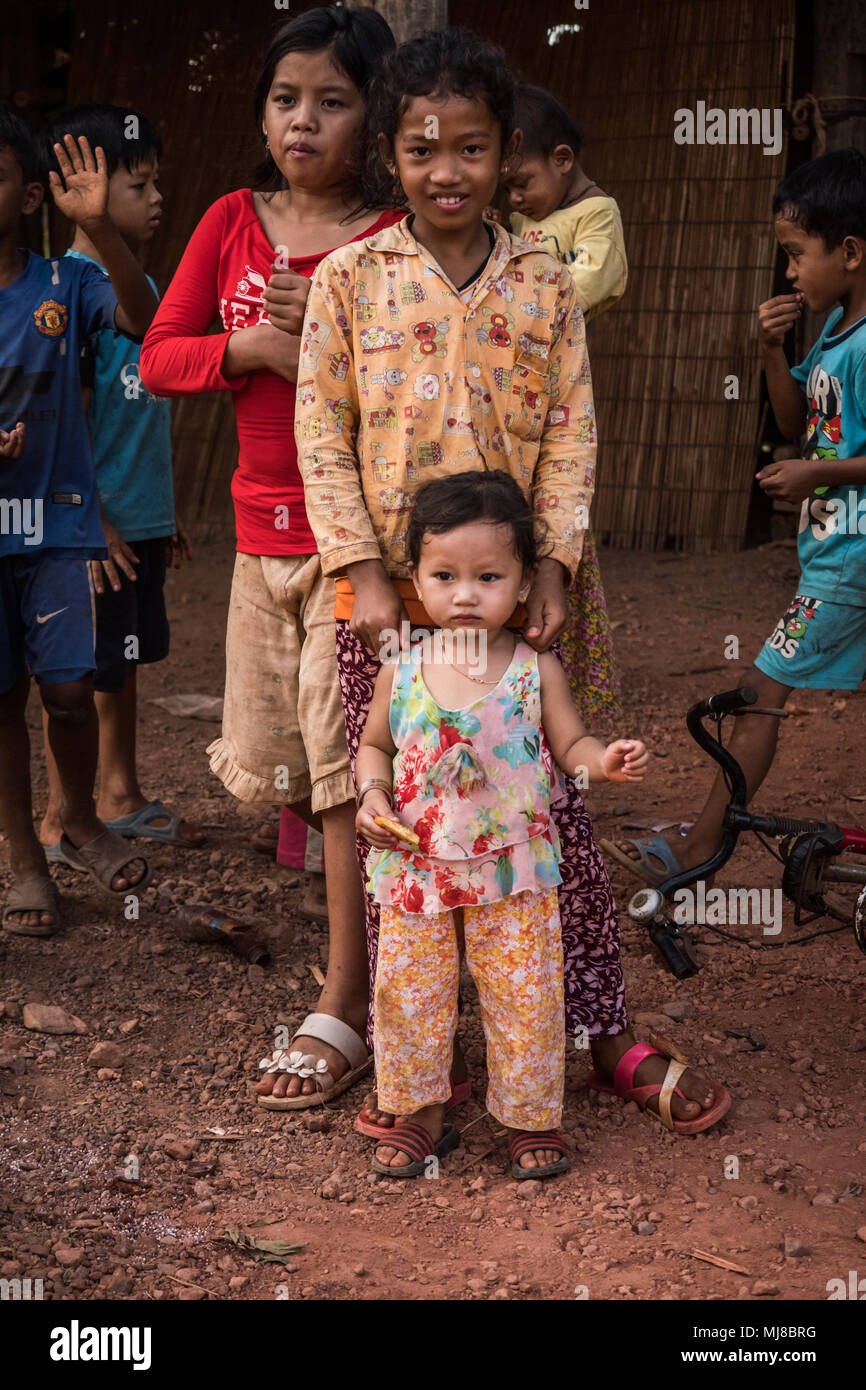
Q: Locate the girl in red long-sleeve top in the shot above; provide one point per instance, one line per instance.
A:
(250, 260)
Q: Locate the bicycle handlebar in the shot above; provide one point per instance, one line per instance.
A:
(716, 706)
(724, 703)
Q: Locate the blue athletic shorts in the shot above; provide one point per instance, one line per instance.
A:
(816, 645)
(46, 618)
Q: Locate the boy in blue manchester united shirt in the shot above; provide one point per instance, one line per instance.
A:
(130, 432)
(49, 512)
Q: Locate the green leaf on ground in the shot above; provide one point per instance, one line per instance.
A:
(266, 1251)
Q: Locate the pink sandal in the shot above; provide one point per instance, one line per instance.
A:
(623, 1085)
(459, 1093)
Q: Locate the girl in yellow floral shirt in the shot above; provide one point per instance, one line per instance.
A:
(441, 345)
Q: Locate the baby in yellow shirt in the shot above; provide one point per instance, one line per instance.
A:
(559, 209)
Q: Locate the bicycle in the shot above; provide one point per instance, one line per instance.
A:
(810, 851)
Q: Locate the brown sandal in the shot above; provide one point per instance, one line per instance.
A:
(104, 856)
(36, 893)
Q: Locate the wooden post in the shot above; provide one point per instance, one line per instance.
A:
(408, 18)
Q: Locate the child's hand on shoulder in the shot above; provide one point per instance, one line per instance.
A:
(776, 316)
(286, 299)
(375, 803)
(625, 760)
(791, 480)
(12, 441)
(82, 193)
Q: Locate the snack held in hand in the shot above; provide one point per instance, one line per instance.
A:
(402, 832)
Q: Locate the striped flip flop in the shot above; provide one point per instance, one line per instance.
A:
(414, 1141)
(528, 1140)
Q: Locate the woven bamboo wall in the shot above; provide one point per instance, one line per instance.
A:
(191, 69)
(677, 459)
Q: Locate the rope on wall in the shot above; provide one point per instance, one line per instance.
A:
(811, 115)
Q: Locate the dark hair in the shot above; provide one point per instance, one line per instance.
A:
(357, 41)
(126, 136)
(16, 136)
(445, 62)
(826, 196)
(545, 123)
(486, 495)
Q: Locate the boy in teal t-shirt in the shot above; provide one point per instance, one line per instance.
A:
(130, 432)
(819, 642)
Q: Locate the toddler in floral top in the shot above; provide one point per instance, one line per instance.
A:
(460, 750)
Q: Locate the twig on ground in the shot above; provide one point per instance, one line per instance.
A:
(188, 1285)
(719, 1263)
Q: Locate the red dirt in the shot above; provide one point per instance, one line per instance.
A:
(203, 1020)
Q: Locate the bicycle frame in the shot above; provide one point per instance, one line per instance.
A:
(737, 815)
(820, 840)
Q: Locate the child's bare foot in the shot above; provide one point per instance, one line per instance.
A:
(374, 1116)
(265, 838)
(431, 1118)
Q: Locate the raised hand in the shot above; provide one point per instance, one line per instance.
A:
(12, 441)
(791, 480)
(286, 299)
(625, 760)
(776, 316)
(82, 193)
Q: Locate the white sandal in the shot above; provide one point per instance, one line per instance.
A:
(336, 1034)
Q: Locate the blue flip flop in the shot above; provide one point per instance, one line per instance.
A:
(54, 854)
(138, 825)
(648, 850)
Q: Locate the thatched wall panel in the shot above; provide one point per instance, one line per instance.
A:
(192, 70)
(677, 458)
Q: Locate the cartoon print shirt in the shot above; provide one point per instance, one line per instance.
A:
(47, 314)
(223, 272)
(587, 238)
(832, 540)
(130, 431)
(475, 785)
(402, 381)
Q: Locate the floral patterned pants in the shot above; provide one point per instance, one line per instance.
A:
(514, 955)
(594, 987)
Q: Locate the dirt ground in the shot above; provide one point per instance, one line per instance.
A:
(777, 1189)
